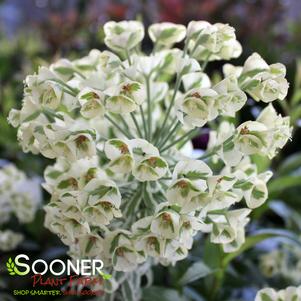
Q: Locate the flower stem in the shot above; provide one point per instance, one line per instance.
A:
(128, 56)
(149, 117)
(177, 86)
(143, 121)
(189, 134)
(136, 124)
(172, 131)
(71, 91)
(124, 132)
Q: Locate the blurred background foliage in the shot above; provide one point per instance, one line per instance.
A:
(38, 32)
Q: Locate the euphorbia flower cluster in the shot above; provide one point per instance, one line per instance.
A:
(125, 187)
(19, 197)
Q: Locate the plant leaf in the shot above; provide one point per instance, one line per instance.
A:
(196, 271)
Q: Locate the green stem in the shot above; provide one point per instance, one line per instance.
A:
(284, 106)
(196, 44)
(191, 133)
(125, 133)
(134, 202)
(79, 73)
(214, 149)
(177, 86)
(204, 65)
(149, 117)
(172, 131)
(128, 56)
(160, 135)
(218, 280)
(143, 121)
(136, 125)
(71, 90)
(124, 123)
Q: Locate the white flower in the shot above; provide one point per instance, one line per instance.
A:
(18, 194)
(88, 245)
(119, 152)
(92, 103)
(120, 248)
(257, 195)
(189, 181)
(230, 98)
(278, 126)
(150, 169)
(289, 294)
(212, 42)
(99, 206)
(186, 65)
(166, 33)
(123, 35)
(262, 81)
(231, 70)
(14, 118)
(190, 225)
(148, 166)
(125, 98)
(145, 65)
(103, 190)
(78, 145)
(197, 107)
(227, 151)
(9, 240)
(166, 224)
(173, 252)
(252, 138)
(196, 80)
(228, 228)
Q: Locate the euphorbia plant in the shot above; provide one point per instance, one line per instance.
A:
(125, 187)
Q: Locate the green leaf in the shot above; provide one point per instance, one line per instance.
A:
(194, 175)
(249, 74)
(243, 185)
(278, 185)
(32, 116)
(253, 240)
(89, 245)
(119, 144)
(262, 162)
(64, 70)
(165, 34)
(161, 294)
(289, 164)
(228, 146)
(54, 174)
(196, 271)
(251, 84)
(128, 292)
(213, 254)
(64, 184)
(114, 243)
(265, 297)
(257, 194)
(102, 190)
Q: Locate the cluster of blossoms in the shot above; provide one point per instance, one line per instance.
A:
(284, 261)
(125, 187)
(19, 197)
(289, 294)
